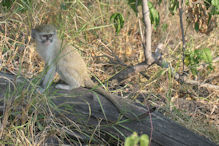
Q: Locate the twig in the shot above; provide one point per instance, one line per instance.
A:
(206, 85)
(152, 128)
(182, 31)
(212, 77)
(193, 82)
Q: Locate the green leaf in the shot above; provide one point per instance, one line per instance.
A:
(133, 5)
(63, 6)
(118, 21)
(7, 3)
(159, 2)
(187, 2)
(144, 140)
(154, 15)
(196, 26)
(39, 126)
(24, 5)
(194, 58)
(164, 27)
(173, 6)
(206, 55)
(215, 9)
(215, 3)
(150, 5)
(132, 140)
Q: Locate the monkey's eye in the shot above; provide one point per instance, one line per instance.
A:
(46, 36)
(43, 37)
(50, 35)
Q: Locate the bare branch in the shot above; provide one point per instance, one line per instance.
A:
(182, 31)
(206, 85)
(133, 70)
(148, 31)
(193, 82)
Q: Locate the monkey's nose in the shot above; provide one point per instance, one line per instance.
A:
(47, 42)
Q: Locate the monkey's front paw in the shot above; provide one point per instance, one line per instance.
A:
(40, 90)
(63, 86)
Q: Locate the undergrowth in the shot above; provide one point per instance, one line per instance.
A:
(86, 25)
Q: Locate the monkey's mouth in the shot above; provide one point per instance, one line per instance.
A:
(46, 42)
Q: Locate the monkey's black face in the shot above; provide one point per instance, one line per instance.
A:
(46, 38)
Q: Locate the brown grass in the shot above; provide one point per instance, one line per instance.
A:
(85, 24)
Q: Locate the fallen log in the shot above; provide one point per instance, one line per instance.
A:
(86, 107)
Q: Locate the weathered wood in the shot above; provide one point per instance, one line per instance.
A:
(86, 110)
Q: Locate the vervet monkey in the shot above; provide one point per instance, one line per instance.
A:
(67, 62)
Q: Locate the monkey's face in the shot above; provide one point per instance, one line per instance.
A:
(45, 35)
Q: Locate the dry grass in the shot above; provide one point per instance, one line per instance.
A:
(85, 24)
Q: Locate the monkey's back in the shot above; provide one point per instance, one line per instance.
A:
(71, 66)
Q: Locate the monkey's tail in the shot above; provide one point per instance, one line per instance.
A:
(126, 107)
(112, 98)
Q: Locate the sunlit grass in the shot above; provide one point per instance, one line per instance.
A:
(85, 24)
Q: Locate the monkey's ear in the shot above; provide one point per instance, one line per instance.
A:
(33, 33)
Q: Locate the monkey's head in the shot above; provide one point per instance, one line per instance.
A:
(44, 34)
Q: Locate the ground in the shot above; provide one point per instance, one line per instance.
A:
(85, 24)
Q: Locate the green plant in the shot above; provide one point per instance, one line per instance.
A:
(173, 6)
(7, 3)
(215, 7)
(134, 139)
(194, 58)
(118, 21)
(154, 14)
(21, 5)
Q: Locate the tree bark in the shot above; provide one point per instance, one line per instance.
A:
(87, 112)
(148, 32)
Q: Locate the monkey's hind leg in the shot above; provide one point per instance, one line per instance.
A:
(68, 87)
(72, 81)
(63, 86)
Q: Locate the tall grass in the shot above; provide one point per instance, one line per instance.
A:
(85, 24)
